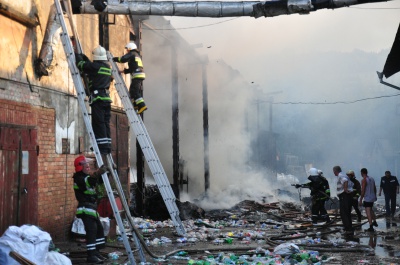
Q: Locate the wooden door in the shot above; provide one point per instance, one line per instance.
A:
(18, 176)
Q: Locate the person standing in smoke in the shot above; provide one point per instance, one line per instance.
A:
(356, 193)
(320, 192)
(390, 187)
(344, 190)
(368, 194)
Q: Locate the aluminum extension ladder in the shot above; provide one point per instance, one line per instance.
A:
(80, 89)
(148, 149)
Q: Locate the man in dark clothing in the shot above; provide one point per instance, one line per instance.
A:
(320, 192)
(135, 68)
(99, 75)
(390, 187)
(85, 193)
(356, 192)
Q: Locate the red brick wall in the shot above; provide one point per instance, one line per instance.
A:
(56, 200)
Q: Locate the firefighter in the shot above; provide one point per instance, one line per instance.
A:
(85, 184)
(135, 68)
(320, 193)
(99, 75)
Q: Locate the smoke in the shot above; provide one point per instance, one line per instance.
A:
(323, 58)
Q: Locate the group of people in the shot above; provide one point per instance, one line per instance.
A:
(99, 77)
(351, 194)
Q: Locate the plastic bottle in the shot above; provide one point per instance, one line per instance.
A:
(228, 240)
(182, 240)
(113, 256)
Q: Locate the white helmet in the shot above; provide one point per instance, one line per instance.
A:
(313, 172)
(131, 46)
(99, 54)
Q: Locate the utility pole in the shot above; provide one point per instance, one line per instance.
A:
(205, 126)
(175, 119)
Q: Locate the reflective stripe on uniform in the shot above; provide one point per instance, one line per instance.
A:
(81, 64)
(89, 190)
(139, 100)
(87, 211)
(138, 75)
(104, 71)
(91, 247)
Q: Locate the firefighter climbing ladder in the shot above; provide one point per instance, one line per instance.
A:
(148, 149)
(80, 90)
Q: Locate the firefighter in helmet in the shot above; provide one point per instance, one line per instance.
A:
(85, 184)
(99, 75)
(135, 68)
(320, 193)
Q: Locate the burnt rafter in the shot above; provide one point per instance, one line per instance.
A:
(29, 21)
(220, 9)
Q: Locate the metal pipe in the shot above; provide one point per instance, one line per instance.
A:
(221, 9)
(169, 8)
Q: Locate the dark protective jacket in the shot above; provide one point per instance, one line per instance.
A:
(99, 75)
(319, 187)
(85, 193)
(135, 64)
(389, 184)
(356, 188)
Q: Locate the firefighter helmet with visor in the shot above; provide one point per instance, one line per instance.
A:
(80, 161)
(130, 46)
(99, 54)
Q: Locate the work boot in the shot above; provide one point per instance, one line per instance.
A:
(141, 105)
(100, 256)
(371, 229)
(94, 260)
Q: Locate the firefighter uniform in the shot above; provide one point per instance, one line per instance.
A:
(320, 193)
(135, 69)
(85, 193)
(99, 76)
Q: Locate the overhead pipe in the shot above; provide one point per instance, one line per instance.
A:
(220, 9)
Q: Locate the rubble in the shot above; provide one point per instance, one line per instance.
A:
(250, 233)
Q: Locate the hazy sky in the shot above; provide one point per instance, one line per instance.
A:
(326, 56)
(244, 41)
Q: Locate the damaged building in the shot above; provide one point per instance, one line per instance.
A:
(41, 126)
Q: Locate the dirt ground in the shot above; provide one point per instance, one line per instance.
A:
(255, 230)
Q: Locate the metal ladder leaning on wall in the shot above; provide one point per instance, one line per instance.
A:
(148, 149)
(80, 90)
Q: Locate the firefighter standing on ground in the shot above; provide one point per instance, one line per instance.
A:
(320, 192)
(85, 184)
(135, 68)
(99, 75)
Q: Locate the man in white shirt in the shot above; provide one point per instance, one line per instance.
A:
(344, 192)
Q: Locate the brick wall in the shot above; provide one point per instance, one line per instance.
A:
(56, 200)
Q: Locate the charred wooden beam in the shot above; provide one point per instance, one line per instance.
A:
(17, 16)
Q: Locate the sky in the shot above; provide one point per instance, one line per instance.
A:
(246, 40)
(327, 56)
